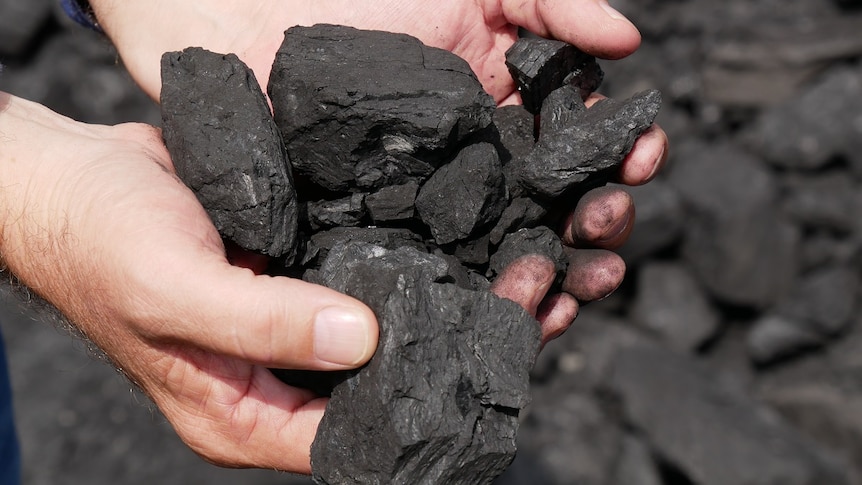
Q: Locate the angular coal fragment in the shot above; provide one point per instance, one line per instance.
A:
(575, 143)
(345, 127)
(227, 149)
(516, 127)
(540, 66)
(520, 213)
(438, 403)
(393, 203)
(321, 242)
(540, 240)
(464, 195)
(344, 212)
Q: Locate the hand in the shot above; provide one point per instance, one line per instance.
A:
(93, 219)
(479, 31)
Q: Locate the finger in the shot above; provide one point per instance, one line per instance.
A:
(591, 25)
(647, 156)
(556, 314)
(603, 218)
(593, 274)
(274, 321)
(526, 281)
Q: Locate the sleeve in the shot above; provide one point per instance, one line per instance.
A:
(81, 12)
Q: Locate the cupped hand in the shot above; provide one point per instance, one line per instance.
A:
(94, 220)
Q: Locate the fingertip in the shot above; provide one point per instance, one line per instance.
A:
(526, 281)
(593, 274)
(646, 158)
(556, 314)
(345, 336)
(603, 218)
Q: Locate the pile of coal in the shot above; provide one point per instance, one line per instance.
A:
(408, 182)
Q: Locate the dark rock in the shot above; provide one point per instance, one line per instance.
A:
(516, 127)
(321, 242)
(227, 149)
(439, 401)
(522, 212)
(540, 66)
(393, 203)
(671, 303)
(710, 432)
(465, 195)
(659, 222)
(812, 128)
(819, 307)
(575, 143)
(475, 251)
(829, 201)
(344, 128)
(20, 22)
(737, 244)
(635, 464)
(344, 212)
(540, 240)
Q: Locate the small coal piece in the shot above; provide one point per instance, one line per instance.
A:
(227, 149)
(539, 240)
(540, 66)
(439, 401)
(345, 212)
(575, 143)
(360, 108)
(464, 195)
(393, 203)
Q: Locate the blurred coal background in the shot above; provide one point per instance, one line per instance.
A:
(729, 356)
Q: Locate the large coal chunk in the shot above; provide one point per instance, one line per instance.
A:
(368, 109)
(575, 142)
(540, 66)
(439, 401)
(464, 195)
(227, 149)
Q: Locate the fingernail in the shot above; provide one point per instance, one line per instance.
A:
(340, 336)
(616, 230)
(611, 11)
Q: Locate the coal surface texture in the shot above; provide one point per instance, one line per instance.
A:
(540, 66)
(369, 109)
(227, 149)
(575, 143)
(439, 401)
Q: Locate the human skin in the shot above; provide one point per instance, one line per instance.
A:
(94, 220)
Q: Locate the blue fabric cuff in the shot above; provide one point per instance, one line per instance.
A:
(81, 12)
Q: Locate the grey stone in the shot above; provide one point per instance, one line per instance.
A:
(578, 142)
(321, 242)
(712, 433)
(226, 148)
(540, 66)
(439, 401)
(541, 241)
(516, 128)
(522, 212)
(343, 212)
(670, 302)
(659, 221)
(393, 203)
(344, 128)
(465, 195)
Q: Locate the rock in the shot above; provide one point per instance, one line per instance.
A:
(575, 143)
(635, 465)
(659, 221)
(226, 148)
(438, 402)
(321, 242)
(464, 196)
(540, 240)
(20, 22)
(738, 245)
(393, 203)
(819, 307)
(829, 201)
(710, 432)
(344, 212)
(522, 212)
(344, 128)
(515, 126)
(540, 66)
(671, 303)
(813, 127)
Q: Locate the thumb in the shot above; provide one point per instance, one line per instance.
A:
(592, 25)
(273, 321)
